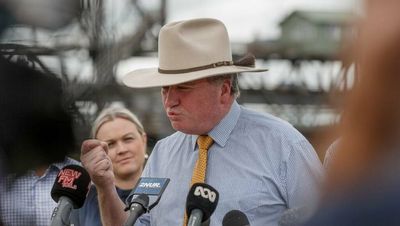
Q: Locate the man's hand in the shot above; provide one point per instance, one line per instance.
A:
(96, 161)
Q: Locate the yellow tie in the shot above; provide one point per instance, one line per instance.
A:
(200, 168)
(199, 171)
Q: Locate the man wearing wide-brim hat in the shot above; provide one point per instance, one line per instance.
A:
(258, 163)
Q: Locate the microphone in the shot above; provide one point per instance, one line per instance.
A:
(201, 202)
(151, 186)
(137, 207)
(235, 218)
(69, 191)
(145, 187)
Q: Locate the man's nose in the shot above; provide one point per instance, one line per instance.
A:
(170, 97)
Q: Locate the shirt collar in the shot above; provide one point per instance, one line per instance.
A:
(221, 132)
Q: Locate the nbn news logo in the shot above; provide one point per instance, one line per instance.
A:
(151, 185)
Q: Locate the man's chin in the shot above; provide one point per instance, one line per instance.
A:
(176, 125)
(184, 129)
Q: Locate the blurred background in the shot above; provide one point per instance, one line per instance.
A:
(91, 44)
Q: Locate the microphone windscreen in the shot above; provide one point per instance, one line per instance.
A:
(203, 197)
(142, 199)
(235, 218)
(73, 182)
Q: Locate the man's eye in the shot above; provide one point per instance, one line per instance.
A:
(164, 89)
(183, 87)
(111, 144)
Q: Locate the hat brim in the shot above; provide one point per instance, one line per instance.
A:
(150, 77)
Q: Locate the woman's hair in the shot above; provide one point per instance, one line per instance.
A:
(112, 113)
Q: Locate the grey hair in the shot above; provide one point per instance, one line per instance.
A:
(234, 82)
(112, 113)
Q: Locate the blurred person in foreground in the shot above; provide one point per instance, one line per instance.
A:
(126, 139)
(363, 182)
(36, 131)
(258, 163)
(36, 135)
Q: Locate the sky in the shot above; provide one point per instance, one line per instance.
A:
(250, 19)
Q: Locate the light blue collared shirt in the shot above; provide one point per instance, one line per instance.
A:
(258, 163)
(26, 200)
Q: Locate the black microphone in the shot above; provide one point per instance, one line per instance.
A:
(235, 218)
(137, 207)
(69, 191)
(201, 202)
(151, 186)
(145, 187)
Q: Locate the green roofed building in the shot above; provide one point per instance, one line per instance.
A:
(308, 35)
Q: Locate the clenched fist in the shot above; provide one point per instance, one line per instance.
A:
(96, 161)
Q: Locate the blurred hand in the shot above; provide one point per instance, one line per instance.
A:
(96, 161)
(380, 33)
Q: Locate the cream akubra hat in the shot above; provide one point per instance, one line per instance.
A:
(189, 50)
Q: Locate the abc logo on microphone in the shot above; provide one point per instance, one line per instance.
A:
(205, 193)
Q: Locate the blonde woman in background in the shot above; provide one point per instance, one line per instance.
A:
(125, 139)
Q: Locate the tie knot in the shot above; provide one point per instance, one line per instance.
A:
(204, 142)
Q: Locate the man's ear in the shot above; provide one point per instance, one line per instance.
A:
(226, 89)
